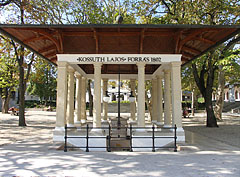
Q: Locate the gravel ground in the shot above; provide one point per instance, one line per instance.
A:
(29, 151)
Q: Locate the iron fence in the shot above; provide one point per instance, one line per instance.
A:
(130, 137)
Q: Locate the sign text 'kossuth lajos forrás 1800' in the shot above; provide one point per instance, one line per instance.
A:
(116, 59)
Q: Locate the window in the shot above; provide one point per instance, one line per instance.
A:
(236, 95)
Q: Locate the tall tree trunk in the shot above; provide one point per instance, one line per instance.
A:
(206, 88)
(21, 90)
(220, 93)
(5, 100)
(90, 98)
(211, 119)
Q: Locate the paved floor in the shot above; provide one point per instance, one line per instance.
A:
(29, 151)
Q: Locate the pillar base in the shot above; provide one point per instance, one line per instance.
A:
(83, 121)
(70, 125)
(141, 130)
(167, 126)
(132, 121)
(59, 129)
(159, 123)
(77, 122)
(104, 121)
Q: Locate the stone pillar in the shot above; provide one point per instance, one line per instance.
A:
(133, 104)
(105, 105)
(167, 99)
(78, 98)
(70, 103)
(159, 101)
(141, 95)
(83, 100)
(154, 100)
(61, 95)
(176, 94)
(97, 95)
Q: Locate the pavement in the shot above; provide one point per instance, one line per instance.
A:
(29, 151)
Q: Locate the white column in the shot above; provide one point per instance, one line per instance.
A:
(167, 99)
(97, 95)
(154, 100)
(83, 100)
(176, 94)
(159, 101)
(78, 98)
(141, 95)
(61, 95)
(105, 105)
(70, 103)
(133, 104)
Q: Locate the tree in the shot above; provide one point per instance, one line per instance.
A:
(43, 81)
(228, 69)
(8, 73)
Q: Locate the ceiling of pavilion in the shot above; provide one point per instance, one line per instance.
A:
(189, 40)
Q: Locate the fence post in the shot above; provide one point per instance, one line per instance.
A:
(65, 139)
(109, 138)
(131, 138)
(175, 138)
(87, 149)
(153, 139)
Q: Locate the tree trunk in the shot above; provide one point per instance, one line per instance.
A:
(5, 100)
(90, 98)
(211, 119)
(5, 105)
(206, 88)
(21, 91)
(220, 94)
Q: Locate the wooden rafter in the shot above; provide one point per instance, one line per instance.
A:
(50, 54)
(96, 40)
(141, 41)
(204, 40)
(192, 50)
(33, 39)
(187, 55)
(49, 35)
(177, 39)
(190, 37)
(60, 37)
(46, 49)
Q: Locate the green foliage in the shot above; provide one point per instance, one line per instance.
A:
(8, 68)
(43, 80)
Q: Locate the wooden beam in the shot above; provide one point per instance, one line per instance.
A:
(204, 40)
(187, 55)
(134, 33)
(50, 54)
(192, 50)
(177, 39)
(49, 35)
(141, 41)
(46, 49)
(190, 36)
(77, 33)
(60, 37)
(96, 40)
(32, 39)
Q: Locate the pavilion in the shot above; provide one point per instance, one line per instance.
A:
(142, 52)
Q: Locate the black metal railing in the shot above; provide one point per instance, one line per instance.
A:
(130, 137)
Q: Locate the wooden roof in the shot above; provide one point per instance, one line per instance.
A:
(189, 40)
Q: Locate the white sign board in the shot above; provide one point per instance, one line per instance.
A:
(118, 58)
